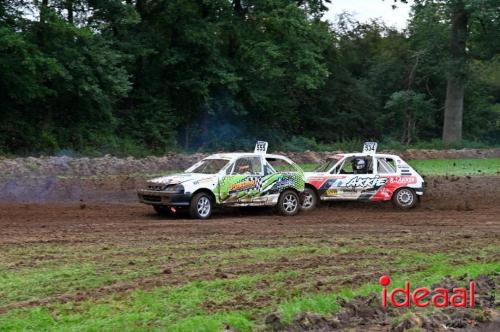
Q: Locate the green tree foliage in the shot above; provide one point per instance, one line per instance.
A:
(473, 32)
(409, 111)
(149, 76)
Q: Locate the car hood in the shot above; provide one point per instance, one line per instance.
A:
(181, 178)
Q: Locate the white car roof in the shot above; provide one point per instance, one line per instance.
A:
(234, 155)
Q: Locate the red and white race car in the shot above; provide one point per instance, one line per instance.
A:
(365, 176)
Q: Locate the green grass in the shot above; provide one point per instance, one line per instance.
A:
(184, 307)
(51, 276)
(458, 167)
(38, 283)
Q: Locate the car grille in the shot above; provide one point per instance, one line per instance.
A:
(157, 187)
(149, 198)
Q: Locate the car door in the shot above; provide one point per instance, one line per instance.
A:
(349, 183)
(386, 170)
(242, 182)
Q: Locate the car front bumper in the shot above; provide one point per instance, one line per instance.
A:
(153, 197)
(419, 191)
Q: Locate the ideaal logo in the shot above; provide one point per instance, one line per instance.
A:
(423, 297)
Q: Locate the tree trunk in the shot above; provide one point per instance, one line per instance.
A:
(454, 104)
(69, 8)
(238, 8)
(43, 10)
(453, 111)
(140, 6)
(186, 136)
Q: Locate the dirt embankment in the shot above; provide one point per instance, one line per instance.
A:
(108, 165)
(111, 179)
(441, 192)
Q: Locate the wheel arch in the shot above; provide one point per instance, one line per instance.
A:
(403, 187)
(310, 186)
(290, 188)
(206, 191)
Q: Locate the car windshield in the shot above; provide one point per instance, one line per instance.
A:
(327, 165)
(208, 166)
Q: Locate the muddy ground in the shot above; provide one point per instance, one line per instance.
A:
(457, 216)
(442, 192)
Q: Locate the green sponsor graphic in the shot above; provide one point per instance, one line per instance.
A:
(234, 188)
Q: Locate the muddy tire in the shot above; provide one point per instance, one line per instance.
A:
(288, 203)
(163, 211)
(309, 199)
(201, 206)
(404, 198)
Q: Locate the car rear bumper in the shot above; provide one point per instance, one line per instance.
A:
(152, 197)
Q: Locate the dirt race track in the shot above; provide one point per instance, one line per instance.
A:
(458, 217)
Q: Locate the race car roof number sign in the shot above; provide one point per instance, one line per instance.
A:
(261, 147)
(370, 147)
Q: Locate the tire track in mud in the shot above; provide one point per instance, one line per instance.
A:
(321, 229)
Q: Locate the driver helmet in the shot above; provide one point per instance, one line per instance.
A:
(359, 164)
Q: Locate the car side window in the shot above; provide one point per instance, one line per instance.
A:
(357, 165)
(248, 166)
(386, 166)
(280, 165)
(346, 167)
(268, 169)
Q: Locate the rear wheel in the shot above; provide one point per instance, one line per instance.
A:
(201, 206)
(288, 203)
(309, 199)
(404, 198)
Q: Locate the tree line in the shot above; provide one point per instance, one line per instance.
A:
(152, 76)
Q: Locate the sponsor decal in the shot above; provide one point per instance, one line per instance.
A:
(331, 192)
(402, 180)
(244, 185)
(364, 182)
(423, 297)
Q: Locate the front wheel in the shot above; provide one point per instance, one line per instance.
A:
(309, 199)
(289, 203)
(404, 198)
(201, 206)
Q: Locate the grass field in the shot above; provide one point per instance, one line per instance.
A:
(457, 167)
(203, 305)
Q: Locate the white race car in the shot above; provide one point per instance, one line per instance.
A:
(364, 176)
(229, 179)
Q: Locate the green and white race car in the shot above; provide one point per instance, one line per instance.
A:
(229, 179)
